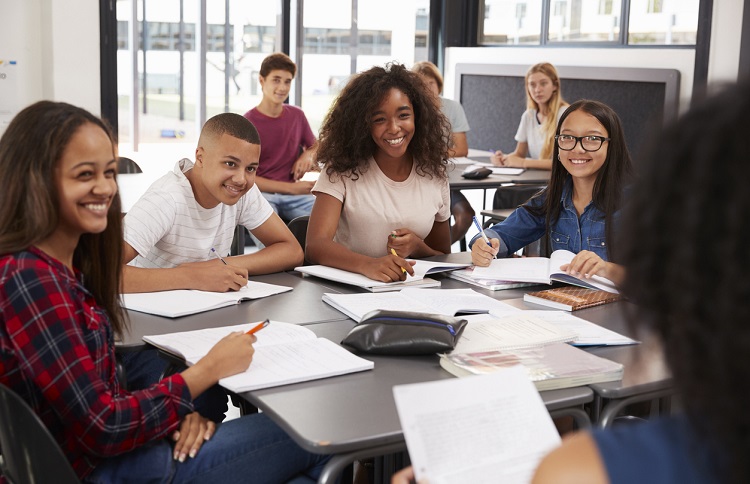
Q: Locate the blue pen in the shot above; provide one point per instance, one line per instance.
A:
(481, 230)
(221, 258)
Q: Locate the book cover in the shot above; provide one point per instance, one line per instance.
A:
(571, 298)
(550, 367)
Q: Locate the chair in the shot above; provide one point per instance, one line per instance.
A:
(30, 453)
(298, 227)
(126, 165)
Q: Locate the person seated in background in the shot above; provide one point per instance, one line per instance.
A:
(579, 208)
(544, 108)
(289, 144)
(177, 233)
(687, 264)
(461, 209)
(60, 313)
(383, 195)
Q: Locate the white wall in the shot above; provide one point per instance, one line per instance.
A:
(55, 44)
(726, 34)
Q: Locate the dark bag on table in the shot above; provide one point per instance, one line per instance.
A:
(404, 333)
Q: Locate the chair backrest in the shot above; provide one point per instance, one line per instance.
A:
(30, 453)
(298, 227)
(126, 165)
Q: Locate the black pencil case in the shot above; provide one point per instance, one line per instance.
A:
(404, 333)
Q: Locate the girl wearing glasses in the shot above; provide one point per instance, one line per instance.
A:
(544, 106)
(578, 209)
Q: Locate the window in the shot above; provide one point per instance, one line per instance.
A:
(511, 22)
(656, 22)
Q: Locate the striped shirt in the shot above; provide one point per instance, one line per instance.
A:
(57, 353)
(168, 227)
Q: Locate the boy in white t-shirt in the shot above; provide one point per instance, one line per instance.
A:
(170, 231)
(178, 232)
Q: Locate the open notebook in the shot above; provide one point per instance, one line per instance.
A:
(173, 304)
(541, 270)
(449, 302)
(422, 268)
(284, 353)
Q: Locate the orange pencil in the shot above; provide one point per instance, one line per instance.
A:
(258, 327)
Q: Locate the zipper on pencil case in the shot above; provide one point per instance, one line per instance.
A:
(415, 323)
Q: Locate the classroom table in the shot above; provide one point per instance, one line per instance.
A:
(302, 305)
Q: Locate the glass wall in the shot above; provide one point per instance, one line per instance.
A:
(654, 22)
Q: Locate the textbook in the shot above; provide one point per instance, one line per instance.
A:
(284, 353)
(448, 302)
(173, 304)
(504, 331)
(550, 366)
(422, 268)
(467, 275)
(483, 430)
(541, 270)
(571, 298)
(589, 334)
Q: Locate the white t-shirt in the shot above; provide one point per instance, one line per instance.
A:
(530, 132)
(168, 227)
(455, 114)
(374, 206)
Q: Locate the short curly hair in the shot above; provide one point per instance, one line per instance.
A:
(345, 138)
(687, 260)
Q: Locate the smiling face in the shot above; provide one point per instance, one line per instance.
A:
(86, 184)
(276, 85)
(540, 87)
(392, 127)
(580, 163)
(227, 167)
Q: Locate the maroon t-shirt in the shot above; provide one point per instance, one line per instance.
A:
(281, 141)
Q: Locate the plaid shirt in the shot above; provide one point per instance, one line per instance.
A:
(57, 353)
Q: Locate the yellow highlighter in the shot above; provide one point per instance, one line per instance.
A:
(393, 251)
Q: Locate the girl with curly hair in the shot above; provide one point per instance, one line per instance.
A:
(578, 209)
(383, 194)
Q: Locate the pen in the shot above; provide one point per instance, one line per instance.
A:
(217, 255)
(393, 251)
(481, 231)
(258, 327)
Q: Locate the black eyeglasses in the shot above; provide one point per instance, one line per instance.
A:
(568, 142)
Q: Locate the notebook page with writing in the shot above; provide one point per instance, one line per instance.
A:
(519, 330)
(486, 429)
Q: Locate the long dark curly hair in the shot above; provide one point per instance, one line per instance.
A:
(345, 140)
(687, 228)
(614, 175)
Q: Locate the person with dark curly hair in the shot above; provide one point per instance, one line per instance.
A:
(687, 265)
(580, 206)
(384, 192)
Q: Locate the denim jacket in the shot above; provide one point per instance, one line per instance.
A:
(568, 232)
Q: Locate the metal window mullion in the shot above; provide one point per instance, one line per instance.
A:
(133, 40)
(624, 22)
(200, 50)
(227, 52)
(544, 33)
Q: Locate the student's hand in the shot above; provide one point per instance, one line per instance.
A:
(301, 187)
(194, 430)
(303, 164)
(388, 268)
(585, 264)
(498, 158)
(405, 476)
(404, 242)
(231, 355)
(215, 276)
(482, 254)
(514, 161)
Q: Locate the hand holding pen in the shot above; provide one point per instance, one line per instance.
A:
(483, 254)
